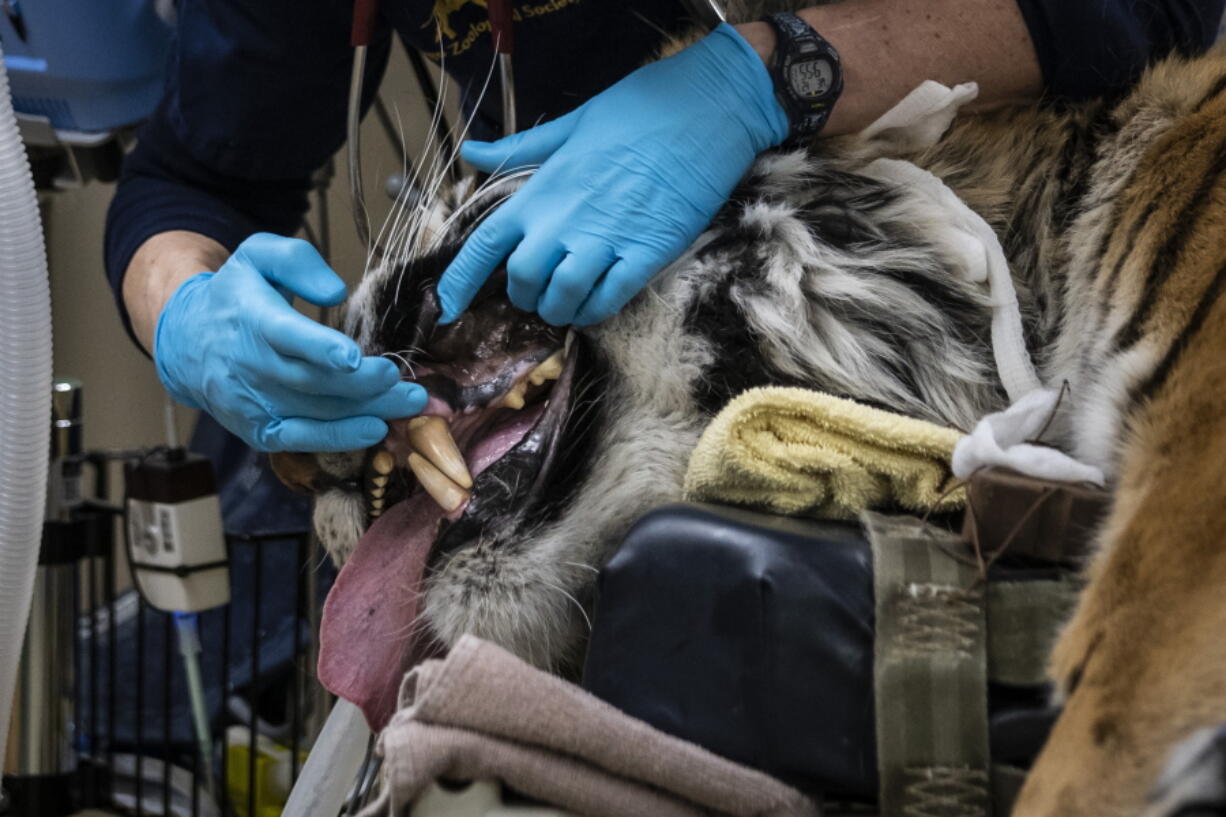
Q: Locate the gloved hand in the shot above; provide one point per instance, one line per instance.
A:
(230, 343)
(626, 183)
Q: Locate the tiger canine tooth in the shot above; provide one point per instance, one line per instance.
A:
(550, 369)
(383, 463)
(445, 492)
(431, 437)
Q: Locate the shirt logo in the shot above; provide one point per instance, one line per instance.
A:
(459, 29)
(443, 9)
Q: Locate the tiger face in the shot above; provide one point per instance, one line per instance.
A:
(492, 512)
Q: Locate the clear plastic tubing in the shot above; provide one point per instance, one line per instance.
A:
(189, 647)
(25, 394)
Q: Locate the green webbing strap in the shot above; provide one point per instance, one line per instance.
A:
(1024, 619)
(930, 673)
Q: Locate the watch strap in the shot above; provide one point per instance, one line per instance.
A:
(797, 42)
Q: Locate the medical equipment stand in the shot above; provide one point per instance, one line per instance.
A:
(41, 766)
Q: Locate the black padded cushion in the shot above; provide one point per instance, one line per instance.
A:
(750, 635)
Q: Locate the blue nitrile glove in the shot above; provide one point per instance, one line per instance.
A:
(626, 183)
(230, 343)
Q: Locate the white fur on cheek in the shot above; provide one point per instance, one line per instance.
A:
(340, 521)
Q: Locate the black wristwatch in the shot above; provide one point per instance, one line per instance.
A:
(807, 75)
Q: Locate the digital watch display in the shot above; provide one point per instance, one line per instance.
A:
(807, 75)
(812, 78)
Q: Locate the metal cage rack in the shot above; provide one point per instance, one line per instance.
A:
(113, 732)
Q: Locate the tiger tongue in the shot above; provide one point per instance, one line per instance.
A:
(370, 635)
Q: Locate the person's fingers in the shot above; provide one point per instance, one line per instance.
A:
(572, 281)
(374, 376)
(299, 434)
(523, 149)
(481, 254)
(402, 400)
(295, 335)
(295, 266)
(624, 280)
(529, 268)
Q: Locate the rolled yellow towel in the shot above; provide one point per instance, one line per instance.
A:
(800, 452)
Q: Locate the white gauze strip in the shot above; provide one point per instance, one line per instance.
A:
(988, 265)
(916, 123)
(999, 439)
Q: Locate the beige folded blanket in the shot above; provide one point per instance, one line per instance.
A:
(799, 452)
(482, 713)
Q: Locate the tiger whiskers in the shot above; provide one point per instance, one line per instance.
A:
(587, 619)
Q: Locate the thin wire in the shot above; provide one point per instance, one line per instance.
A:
(357, 198)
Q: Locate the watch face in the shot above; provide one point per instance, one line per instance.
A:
(811, 78)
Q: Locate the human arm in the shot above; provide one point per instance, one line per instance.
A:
(887, 46)
(630, 179)
(228, 154)
(1013, 49)
(157, 269)
(254, 102)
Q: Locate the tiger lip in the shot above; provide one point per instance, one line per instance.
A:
(451, 393)
(434, 457)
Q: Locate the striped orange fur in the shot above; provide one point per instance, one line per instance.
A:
(1114, 217)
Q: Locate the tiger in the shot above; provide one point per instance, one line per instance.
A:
(541, 446)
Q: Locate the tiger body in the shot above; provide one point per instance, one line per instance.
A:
(1112, 216)
(821, 272)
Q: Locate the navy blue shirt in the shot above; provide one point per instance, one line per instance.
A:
(256, 89)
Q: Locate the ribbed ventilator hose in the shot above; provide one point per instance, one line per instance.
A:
(25, 394)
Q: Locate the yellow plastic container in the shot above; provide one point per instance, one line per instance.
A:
(272, 773)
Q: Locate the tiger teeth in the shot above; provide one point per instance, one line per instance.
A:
(445, 492)
(431, 438)
(514, 399)
(377, 504)
(550, 369)
(383, 463)
(377, 493)
(380, 482)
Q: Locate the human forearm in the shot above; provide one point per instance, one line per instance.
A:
(157, 269)
(888, 46)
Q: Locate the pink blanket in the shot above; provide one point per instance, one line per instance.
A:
(481, 713)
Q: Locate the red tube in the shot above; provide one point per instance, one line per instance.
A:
(364, 14)
(502, 26)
